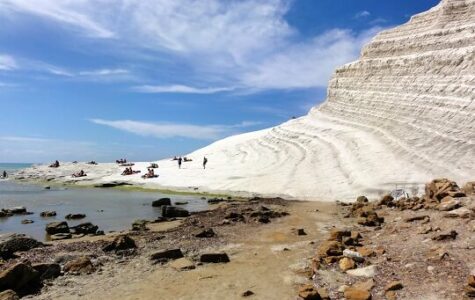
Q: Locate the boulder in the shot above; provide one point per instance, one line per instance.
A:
(21, 278)
(214, 258)
(448, 203)
(353, 293)
(337, 235)
(362, 199)
(346, 264)
(206, 233)
(18, 210)
(369, 271)
(46, 214)
(387, 200)
(174, 212)
(13, 242)
(444, 236)
(57, 227)
(84, 228)
(309, 292)
(47, 271)
(122, 242)
(462, 212)
(161, 202)
(75, 216)
(330, 248)
(80, 265)
(438, 189)
(9, 295)
(182, 264)
(166, 255)
(140, 225)
(469, 188)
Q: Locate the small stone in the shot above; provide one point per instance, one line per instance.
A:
(393, 286)
(353, 293)
(206, 233)
(337, 235)
(60, 236)
(450, 235)
(346, 264)
(369, 271)
(356, 256)
(323, 292)
(46, 214)
(181, 202)
(166, 255)
(75, 216)
(367, 285)
(247, 293)
(308, 292)
(448, 203)
(214, 258)
(27, 221)
(365, 251)
(298, 231)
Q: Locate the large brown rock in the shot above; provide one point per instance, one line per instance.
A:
(174, 212)
(80, 265)
(21, 278)
(120, 243)
(438, 189)
(47, 271)
(346, 264)
(330, 248)
(12, 242)
(353, 293)
(57, 227)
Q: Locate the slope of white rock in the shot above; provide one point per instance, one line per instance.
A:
(401, 115)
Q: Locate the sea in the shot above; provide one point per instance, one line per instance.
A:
(110, 209)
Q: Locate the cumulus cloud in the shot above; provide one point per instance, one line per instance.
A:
(170, 130)
(246, 45)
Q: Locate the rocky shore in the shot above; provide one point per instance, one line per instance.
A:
(393, 248)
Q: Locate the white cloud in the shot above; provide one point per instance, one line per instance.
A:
(180, 89)
(64, 11)
(308, 64)
(362, 14)
(24, 139)
(229, 45)
(170, 130)
(7, 62)
(104, 72)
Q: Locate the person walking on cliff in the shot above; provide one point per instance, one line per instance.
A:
(205, 161)
(179, 162)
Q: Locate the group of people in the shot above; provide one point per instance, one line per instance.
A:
(185, 159)
(54, 165)
(121, 161)
(129, 171)
(79, 174)
(150, 174)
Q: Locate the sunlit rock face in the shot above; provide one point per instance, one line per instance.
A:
(401, 115)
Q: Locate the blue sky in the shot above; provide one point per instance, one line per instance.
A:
(147, 79)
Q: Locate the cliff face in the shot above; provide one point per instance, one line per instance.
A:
(402, 114)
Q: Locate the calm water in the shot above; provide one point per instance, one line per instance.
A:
(120, 208)
(13, 166)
